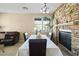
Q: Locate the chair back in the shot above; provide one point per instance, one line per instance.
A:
(37, 47)
(25, 36)
(51, 37)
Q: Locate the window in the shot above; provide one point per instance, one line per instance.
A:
(41, 24)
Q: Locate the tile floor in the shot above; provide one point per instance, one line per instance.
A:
(11, 50)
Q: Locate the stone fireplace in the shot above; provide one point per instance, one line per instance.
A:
(66, 17)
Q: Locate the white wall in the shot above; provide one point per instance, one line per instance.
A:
(18, 22)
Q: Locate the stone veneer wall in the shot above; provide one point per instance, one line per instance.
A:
(67, 17)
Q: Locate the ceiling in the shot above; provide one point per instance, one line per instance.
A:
(20, 7)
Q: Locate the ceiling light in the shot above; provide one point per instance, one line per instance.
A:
(45, 9)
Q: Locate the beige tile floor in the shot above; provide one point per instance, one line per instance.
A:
(65, 52)
(12, 50)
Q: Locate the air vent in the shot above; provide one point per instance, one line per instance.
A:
(25, 8)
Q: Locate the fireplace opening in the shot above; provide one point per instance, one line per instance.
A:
(65, 39)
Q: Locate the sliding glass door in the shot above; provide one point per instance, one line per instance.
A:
(41, 24)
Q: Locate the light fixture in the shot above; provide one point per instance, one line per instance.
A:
(44, 9)
(25, 8)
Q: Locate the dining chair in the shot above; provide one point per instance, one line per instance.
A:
(51, 36)
(25, 36)
(37, 47)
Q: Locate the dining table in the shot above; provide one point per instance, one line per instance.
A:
(51, 48)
